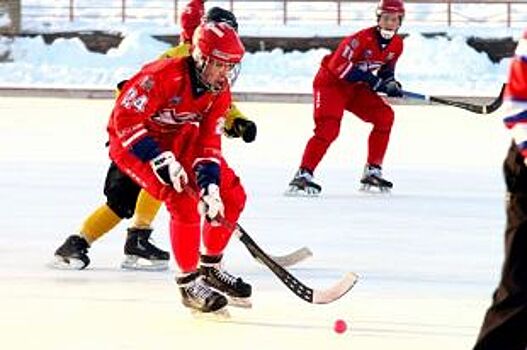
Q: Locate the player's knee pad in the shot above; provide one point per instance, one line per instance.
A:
(123, 208)
(121, 192)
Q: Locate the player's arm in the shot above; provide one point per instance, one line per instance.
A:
(238, 125)
(344, 65)
(141, 98)
(389, 85)
(211, 129)
(181, 50)
(208, 163)
(387, 71)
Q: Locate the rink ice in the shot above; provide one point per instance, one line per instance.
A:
(428, 256)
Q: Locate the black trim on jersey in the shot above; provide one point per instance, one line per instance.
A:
(198, 88)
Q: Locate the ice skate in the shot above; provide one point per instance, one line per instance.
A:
(141, 254)
(303, 185)
(373, 181)
(237, 291)
(72, 254)
(200, 297)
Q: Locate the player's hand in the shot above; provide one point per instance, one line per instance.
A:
(391, 87)
(244, 128)
(210, 204)
(169, 171)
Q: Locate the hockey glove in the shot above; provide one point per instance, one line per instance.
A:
(391, 87)
(357, 74)
(244, 128)
(169, 171)
(210, 204)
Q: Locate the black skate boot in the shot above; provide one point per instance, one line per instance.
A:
(303, 184)
(72, 254)
(237, 291)
(199, 296)
(141, 254)
(372, 178)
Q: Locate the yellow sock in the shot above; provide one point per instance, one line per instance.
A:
(146, 209)
(102, 220)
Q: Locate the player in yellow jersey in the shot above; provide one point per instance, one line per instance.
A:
(125, 198)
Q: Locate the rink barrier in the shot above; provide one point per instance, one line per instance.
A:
(285, 97)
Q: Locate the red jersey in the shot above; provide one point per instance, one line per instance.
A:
(162, 101)
(515, 97)
(363, 50)
(191, 19)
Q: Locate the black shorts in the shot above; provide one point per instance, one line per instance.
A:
(121, 192)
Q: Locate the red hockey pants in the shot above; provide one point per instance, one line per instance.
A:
(185, 228)
(331, 98)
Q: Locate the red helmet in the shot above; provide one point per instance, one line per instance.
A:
(218, 41)
(217, 45)
(390, 6)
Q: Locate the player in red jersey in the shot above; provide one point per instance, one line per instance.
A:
(506, 319)
(124, 198)
(350, 79)
(165, 134)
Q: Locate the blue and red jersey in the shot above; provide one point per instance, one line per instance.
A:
(159, 104)
(515, 96)
(363, 50)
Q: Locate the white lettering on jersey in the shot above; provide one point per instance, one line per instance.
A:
(131, 99)
(369, 65)
(169, 116)
(347, 53)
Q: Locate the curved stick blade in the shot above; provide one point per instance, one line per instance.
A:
(292, 258)
(337, 291)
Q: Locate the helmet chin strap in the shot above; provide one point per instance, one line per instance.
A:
(201, 64)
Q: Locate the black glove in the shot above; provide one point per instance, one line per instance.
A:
(391, 87)
(246, 129)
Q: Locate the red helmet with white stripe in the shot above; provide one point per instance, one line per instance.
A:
(217, 51)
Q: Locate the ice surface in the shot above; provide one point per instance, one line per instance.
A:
(429, 255)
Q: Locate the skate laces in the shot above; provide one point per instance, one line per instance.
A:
(304, 174)
(224, 276)
(199, 290)
(372, 170)
(147, 244)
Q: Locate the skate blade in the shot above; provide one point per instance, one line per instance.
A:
(293, 191)
(60, 263)
(369, 189)
(244, 303)
(218, 315)
(133, 262)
